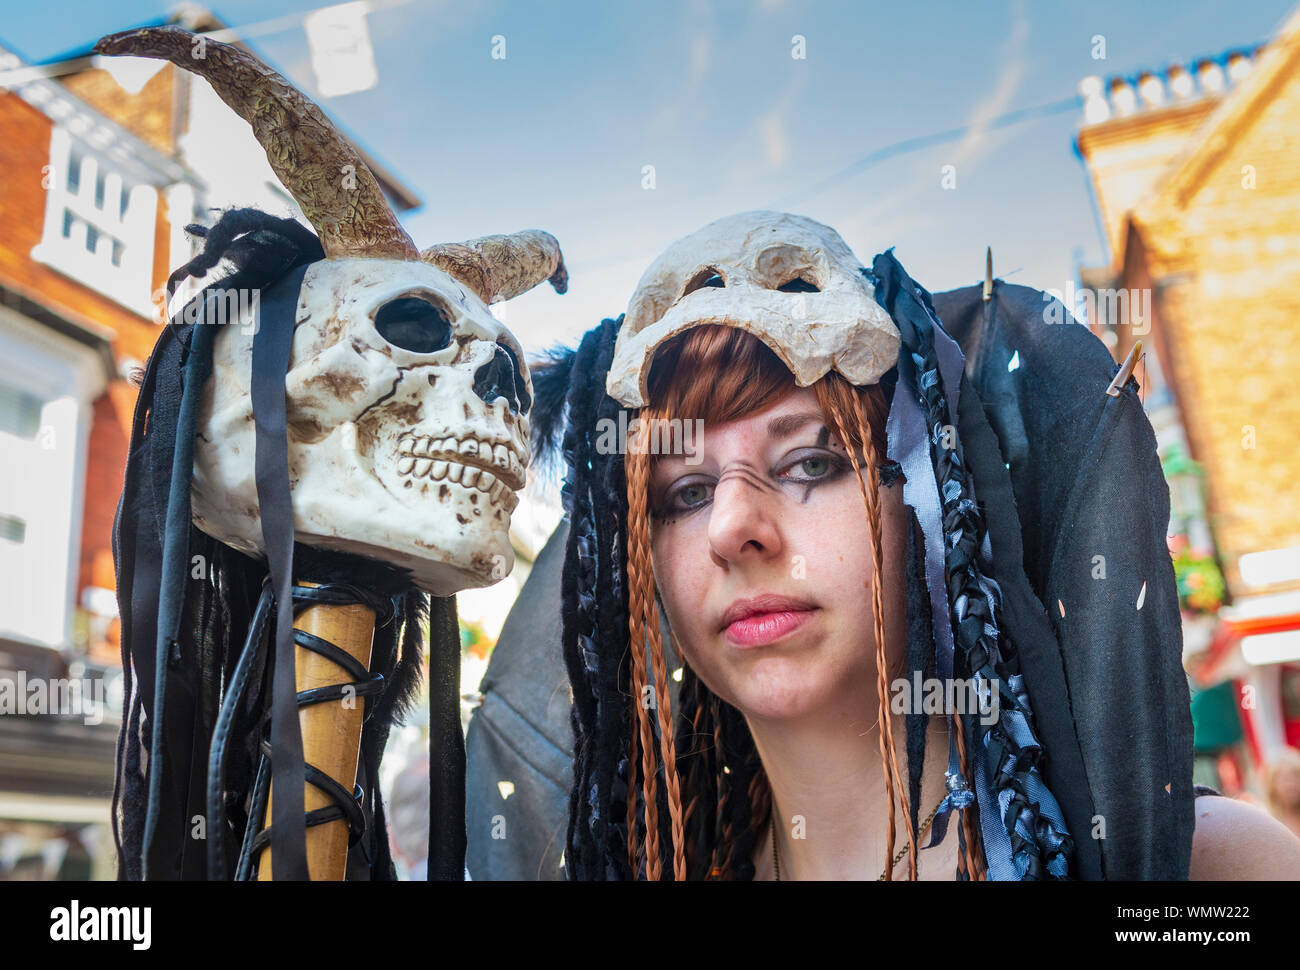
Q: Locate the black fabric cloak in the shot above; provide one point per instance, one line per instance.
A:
(1077, 511)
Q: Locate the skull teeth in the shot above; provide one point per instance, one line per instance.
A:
(466, 462)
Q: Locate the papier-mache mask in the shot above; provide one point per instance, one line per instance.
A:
(788, 280)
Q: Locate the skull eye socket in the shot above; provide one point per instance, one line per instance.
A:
(415, 324)
(709, 276)
(798, 285)
(502, 376)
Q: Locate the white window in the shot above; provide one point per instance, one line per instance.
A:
(46, 388)
(98, 230)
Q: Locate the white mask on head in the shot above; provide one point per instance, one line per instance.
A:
(788, 280)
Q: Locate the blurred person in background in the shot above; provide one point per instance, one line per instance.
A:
(1282, 788)
(408, 809)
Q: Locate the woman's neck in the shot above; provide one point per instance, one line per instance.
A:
(827, 778)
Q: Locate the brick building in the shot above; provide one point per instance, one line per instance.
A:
(1196, 174)
(100, 170)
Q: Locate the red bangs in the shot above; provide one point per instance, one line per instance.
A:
(720, 373)
(716, 373)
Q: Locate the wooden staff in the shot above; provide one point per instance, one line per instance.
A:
(331, 730)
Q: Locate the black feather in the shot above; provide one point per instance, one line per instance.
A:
(551, 375)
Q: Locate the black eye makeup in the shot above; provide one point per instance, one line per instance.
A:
(682, 498)
(809, 466)
(814, 465)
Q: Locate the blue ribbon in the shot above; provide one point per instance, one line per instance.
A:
(910, 446)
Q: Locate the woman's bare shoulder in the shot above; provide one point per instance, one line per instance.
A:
(1235, 841)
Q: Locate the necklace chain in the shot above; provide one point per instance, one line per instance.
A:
(776, 858)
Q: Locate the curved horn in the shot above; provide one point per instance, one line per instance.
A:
(500, 267)
(336, 191)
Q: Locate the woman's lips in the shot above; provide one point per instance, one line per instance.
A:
(759, 629)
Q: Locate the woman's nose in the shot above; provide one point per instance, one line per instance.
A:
(742, 522)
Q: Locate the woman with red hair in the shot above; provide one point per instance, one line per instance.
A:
(846, 532)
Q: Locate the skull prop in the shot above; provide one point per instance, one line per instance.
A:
(788, 280)
(407, 432)
(406, 400)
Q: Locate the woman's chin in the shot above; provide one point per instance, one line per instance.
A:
(779, 709)
(787, 681)
(775, 691)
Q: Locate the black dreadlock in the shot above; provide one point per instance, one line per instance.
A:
(982, 647)
(595, 601)
(595, 610)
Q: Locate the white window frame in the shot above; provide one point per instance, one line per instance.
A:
(68, 376)
(134, 228)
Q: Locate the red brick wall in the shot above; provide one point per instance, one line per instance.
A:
(105, 465)
(24, 151)
(148, 114)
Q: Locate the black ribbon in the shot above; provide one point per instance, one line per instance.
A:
(272, 346)
(175, 564)
(447, 838)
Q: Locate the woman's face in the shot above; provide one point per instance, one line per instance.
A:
(762, 555)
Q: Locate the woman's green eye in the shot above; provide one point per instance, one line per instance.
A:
(815, 467)
(684, 499)
(693, 494)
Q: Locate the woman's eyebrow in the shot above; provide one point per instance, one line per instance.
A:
(788, 424)
(779, 427)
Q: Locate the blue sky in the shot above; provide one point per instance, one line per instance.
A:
(555, 136)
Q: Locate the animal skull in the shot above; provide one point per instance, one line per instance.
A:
(788, 280)
(407, 448)
(406, 400)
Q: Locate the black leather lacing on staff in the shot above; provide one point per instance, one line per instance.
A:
(345, 805)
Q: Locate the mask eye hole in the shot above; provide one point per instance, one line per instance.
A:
(415, 324)
(709, 276)
(503, 376)
(798, 285)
